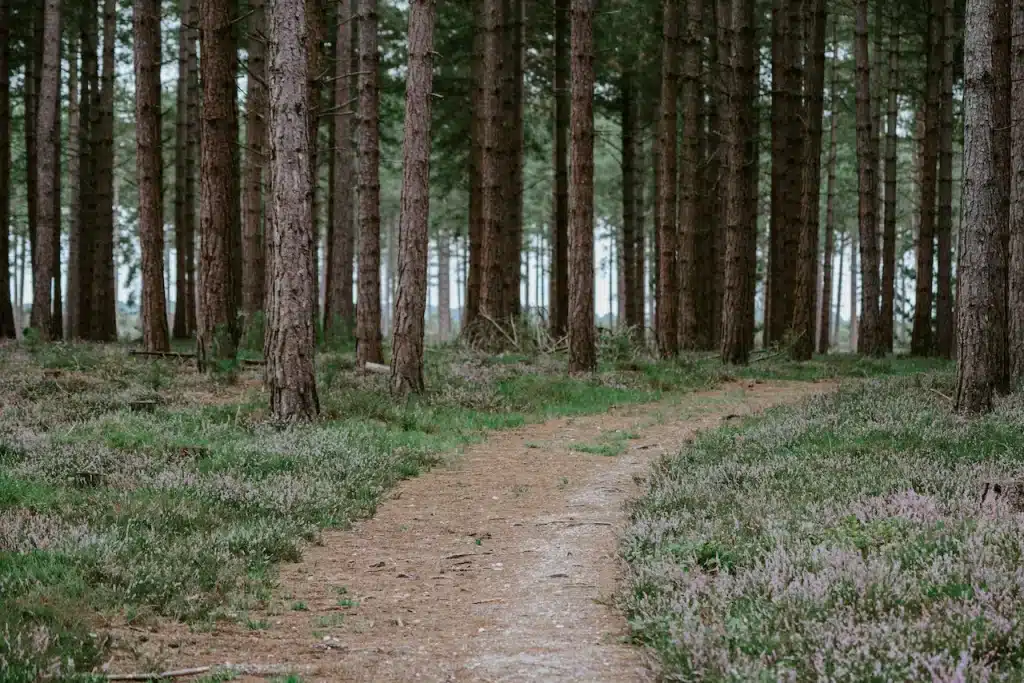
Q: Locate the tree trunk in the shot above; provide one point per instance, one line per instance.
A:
(1002, 123)
(560, 233)
(83, 237)
(8, 328)
(477, 129)
(980, 329)
(290, 340)
(149, 166)
(582, 340)
(1016, 244)
(787, 158)
(713, 179)
(217, 336)
(825, 335)
(514, 142)
(887, 321)
(737, 17)
(444, 292)
(368, 334)
(689, 202)
(632, 299)
(407, 339)
(944, 232)
(57, 312)
(805, 304)
(854, 298)
(253, 250)
(339, 311)
(104, 287)
(667, 303)
(839, 292)
(194, 132)
(179, 329)
(921, 337)
(315, 36)
(30, 89)
(867, 184)
(48, 140)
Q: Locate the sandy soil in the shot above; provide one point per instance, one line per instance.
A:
(500, 565)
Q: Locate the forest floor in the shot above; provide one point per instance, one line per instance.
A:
(136, 495)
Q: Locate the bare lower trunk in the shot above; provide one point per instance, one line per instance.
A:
(631, 297)
(477, 129)
(1016, 244)
(290, 340)
(825, 335)
(560, 233)
(193, 129)
(981, 330)
(179, 329)
(889, 224)
(444, 302)
(104, 284)
(854, 298)
(407, 339)
(944, 225)
(8, 329)
(368, 334)
(253, 250)
(667, 303)
(217, 336)
(48, 140)
(149, 165)
(582, 342)
(839, 292)
(689, 202)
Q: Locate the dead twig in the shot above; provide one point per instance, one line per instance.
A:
(939, 393)
(179, 673)
(377, 368)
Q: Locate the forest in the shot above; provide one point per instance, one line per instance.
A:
(511, 340)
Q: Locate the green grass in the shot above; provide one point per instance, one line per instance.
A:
(134, 488)
(841, 539)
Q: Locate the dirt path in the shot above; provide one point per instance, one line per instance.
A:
(498, 566)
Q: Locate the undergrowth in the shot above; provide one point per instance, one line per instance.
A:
(840, 540)
(132, 488)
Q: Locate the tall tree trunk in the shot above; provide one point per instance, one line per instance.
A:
(982, 289)
(514, 25)
(74, 179)
(316, 33)
(340, 312)
(737, 17)
(179, 329)
(787, 157)
(368, 334)
(407, 339)
(825, 335)
(290, 340)
(632, 299)
(57, 312)
(839, 292)
(493, 170)
(689, 203)
(477, 129)
(560, 233)
(149, 165)
(48, 140)
(253, 267)
(805, 305)
(444, 290)
(8, 329)
(887, 321)
(854, 298)
(921, 337)
(867, 184)
(667, 296)
(194, 132)
(582, 338)
(944, 232)
(217, 322)
(1002, 123)
(713, 179)
(30, 89)
(1016, 244)
(84, 237)
(104, 285)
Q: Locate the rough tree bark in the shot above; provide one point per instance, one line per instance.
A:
(514, 147)
(30, 90)
(368, 334)
(867, 184)
(921, 336)
(689, 202)
(149, 166)
(632, 299)
(560, 229)
(104, 294)
(194, 132)
(80, 261)
(253, 250)
(736, 18)
(887, 321)
(290, 341)
(179, 328)
(981, 292)
(667, 304)
(804, 302)
(477, 130)
(8, 329)
(582, 338)
(48, 139)
(217, 335)
(825, 328)
(407, 337)
(444, 300)
(944, 225)
(1016, 243)
(339, 310)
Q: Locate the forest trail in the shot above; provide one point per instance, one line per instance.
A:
(499, 565)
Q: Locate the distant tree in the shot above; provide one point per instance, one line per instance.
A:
(407, 355)
(825, 315)
(582, 341)
(944, 225)
(103, 313)
(689, 202)
(887, 321)
(149, 165)
(560, 229)
(667, 301)
(290, 340)
(368, 332)
(253, 249)
(7, 320)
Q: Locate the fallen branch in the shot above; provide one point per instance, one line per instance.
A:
(185, 356)
(180, 673)
(499, 328)
(573, 522)
(939, 393)
(377, 368)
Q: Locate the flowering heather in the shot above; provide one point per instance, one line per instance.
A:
(841, 540)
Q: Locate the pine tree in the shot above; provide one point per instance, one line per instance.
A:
(667, 300)
(889, 223)
(253, 249)
(689, 202)
(8, 328)
(560, 229)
